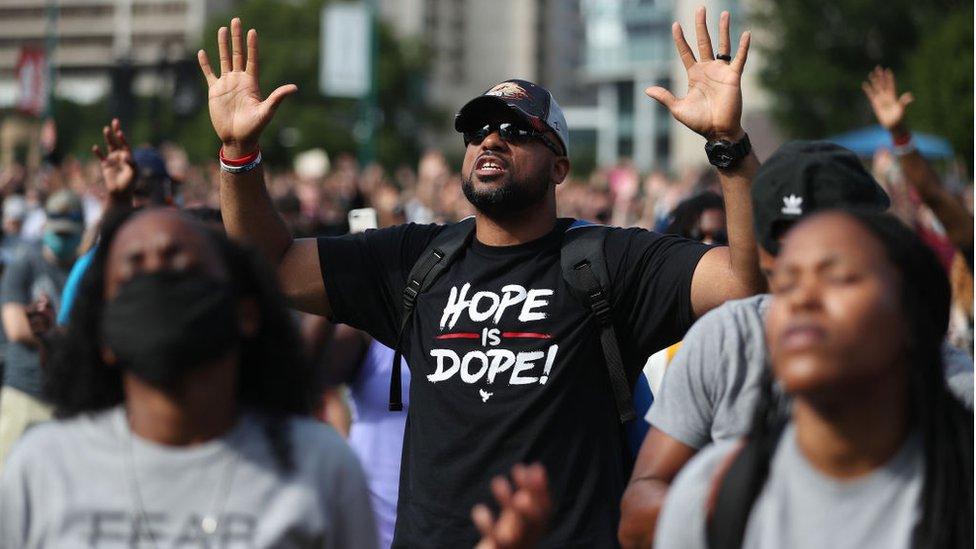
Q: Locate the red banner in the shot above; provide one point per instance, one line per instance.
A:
(32, 81)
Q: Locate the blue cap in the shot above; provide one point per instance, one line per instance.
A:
(150, 164)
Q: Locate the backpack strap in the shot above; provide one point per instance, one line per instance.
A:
(737, 483)
(440, 253)
(584, 267)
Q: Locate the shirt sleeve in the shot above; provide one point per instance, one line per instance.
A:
(15, 284)
(682, 522)
(364, 275)
(651, 276)
(355, 524)
(684, 407)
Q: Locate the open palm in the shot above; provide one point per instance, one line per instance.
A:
(713, 104)
(237, 111)
(888, 106)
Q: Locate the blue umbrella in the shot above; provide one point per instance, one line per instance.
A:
(866, 141)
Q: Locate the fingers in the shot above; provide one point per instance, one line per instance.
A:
(906, 99)
(704, 40)
(724, 40)
(270, 104)
(237, 45)
(739, 61)
(868, 90)
(684, 50)
(889, 80)
(252, 53)
(661, 95)
(205, 67)
(482, 519)
(119, 134)
(98, 152)
(109, 137)
(877, 80)
(502, 490)
(222, 50)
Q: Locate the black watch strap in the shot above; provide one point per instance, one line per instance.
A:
(726, 155)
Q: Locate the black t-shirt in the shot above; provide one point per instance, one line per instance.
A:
(507, 367)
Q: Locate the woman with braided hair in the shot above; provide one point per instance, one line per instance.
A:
(875, 451)
(182, 399)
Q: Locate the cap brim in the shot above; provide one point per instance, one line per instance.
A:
(473, 112)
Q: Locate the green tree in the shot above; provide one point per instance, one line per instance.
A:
(289, 36)
(820, 52)
(940, 75)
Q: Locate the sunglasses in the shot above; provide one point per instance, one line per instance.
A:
(510, 133)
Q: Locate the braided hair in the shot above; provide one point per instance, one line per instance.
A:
(273, 377)
(945, 424)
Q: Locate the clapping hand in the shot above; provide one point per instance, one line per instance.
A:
(236, 109)
(888, 106)
(523, 511)
(118, 167)
(713, 105)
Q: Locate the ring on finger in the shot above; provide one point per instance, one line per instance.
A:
(724, 57)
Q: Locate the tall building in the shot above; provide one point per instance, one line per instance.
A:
(475, 44)
(90, 37)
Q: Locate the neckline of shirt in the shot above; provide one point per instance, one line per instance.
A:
(532, 246)
(899, 466)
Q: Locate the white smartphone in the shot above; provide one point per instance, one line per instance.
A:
(361, 219)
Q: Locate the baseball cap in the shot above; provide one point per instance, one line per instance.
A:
(802, 177)
(152, 178)
(530, 101)
(64, 213)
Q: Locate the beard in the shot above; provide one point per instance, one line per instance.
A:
(507, 199)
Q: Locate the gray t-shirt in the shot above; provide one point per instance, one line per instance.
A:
(70, 484)
(800, 507)
(711, 387)
(25, 280)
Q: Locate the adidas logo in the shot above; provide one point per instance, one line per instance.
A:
(792, 205)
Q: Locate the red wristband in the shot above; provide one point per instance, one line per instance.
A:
(237, 162)
(902, 140)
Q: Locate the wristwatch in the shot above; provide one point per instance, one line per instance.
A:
(724, 154)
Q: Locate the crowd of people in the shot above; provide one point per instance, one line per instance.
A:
(760, 354)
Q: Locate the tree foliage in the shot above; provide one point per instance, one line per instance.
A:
(289, 49)
(820, 52)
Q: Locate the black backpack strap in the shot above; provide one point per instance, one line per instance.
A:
(584, 268)
(437, 257)
(734, 490)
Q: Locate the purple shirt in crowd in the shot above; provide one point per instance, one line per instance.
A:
(376, 434)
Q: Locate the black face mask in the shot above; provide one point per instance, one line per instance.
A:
(163, 324)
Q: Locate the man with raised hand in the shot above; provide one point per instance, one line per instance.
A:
(507, 362)
(889, 108)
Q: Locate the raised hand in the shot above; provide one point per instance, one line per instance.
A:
(523, 512)
(236, 109)
(888, 106)
(713, 105)
(118, 168)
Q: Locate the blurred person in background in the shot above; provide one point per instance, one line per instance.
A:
(132, 180)
(516, 155)
(182, 399)
(35, 277)
(709, 389)
(14, 212)
(876, 451)
(355, 359)
(701, 218)
(889, 108)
